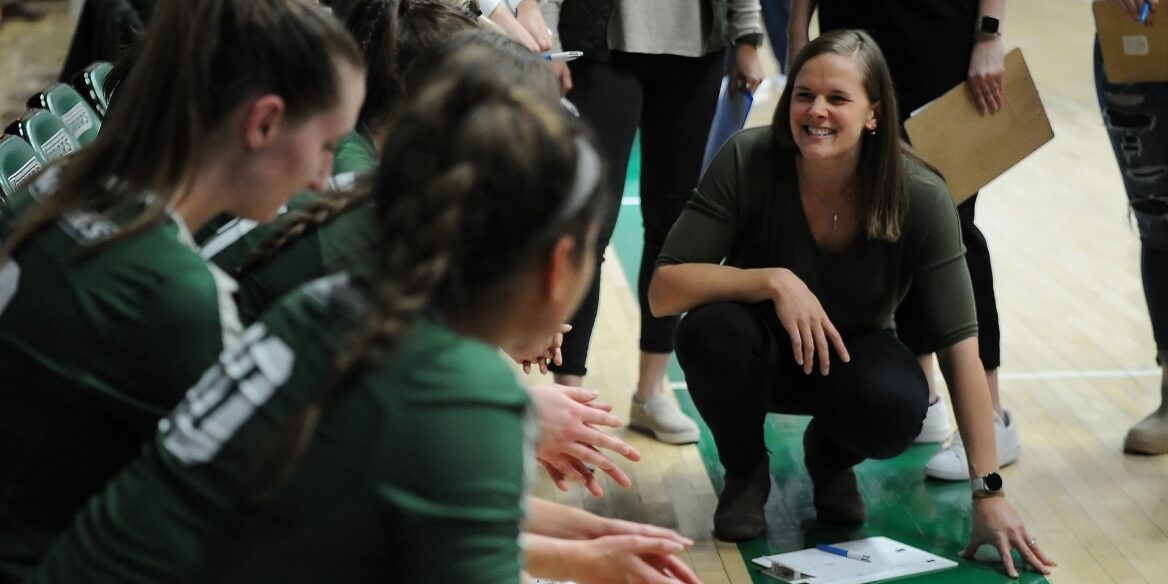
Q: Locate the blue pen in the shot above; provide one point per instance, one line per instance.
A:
(831, 549)
(1144, 12)
(563, 56)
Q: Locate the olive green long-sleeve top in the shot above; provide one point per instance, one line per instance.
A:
(747, 213)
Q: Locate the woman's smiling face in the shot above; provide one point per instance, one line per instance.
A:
(830, 108)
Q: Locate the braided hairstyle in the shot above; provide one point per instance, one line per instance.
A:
(391, 33)
(480, 179)
(508, 61)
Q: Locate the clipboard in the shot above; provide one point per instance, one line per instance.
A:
(1132, 52)
(970, 148)
(889, 559)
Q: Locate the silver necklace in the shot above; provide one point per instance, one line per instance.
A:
(834, 210)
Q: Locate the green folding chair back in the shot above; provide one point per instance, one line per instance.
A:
(81, 120)
(18, 163)
(90, 82)
(46, 134)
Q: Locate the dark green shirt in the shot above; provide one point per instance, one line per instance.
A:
(428, 450)
(95, 346)
(747, 212)
(339, 245)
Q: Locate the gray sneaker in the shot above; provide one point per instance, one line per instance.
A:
(661, 418)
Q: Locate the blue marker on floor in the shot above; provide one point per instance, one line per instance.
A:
(831, 549)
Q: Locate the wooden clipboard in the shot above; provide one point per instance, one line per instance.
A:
(1132, 52)
(970, 148)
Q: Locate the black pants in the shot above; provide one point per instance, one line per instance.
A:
(739, 366)
(909, 316)
(672, 100)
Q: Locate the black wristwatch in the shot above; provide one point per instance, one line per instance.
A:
(753, 39)
(990, 485)
(989, 27)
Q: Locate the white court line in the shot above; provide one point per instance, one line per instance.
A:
(1035, 375)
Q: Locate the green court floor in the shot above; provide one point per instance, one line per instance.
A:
(902, 505)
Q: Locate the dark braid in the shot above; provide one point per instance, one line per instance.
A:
(301, 222)
(478, 185)
(416, 25)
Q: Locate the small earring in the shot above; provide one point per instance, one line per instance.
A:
(872, 131)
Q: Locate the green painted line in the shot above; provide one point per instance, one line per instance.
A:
(932, 515)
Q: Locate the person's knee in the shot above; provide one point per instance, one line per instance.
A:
(710, 326)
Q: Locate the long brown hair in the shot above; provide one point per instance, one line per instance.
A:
(464, 50)
(197, 61)
(881, 171)
(478, 182)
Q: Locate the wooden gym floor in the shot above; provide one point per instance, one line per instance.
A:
(1077, 368)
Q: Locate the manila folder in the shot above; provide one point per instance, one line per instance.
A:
(971, 148)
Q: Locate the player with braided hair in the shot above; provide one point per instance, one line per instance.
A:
(316, 236)
(368, 429)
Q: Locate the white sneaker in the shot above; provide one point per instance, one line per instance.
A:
(936, 427)
(660, 417)
(950, 463)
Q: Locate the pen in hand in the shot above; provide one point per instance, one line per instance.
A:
(1144, 12)
(831, 549)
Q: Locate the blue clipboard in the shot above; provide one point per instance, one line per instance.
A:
(729, 117)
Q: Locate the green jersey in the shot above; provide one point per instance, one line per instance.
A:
(424, 455)
(339, 245)
(355, 153)
(96, 344)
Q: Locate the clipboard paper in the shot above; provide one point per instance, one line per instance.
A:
(1132, 52)
(970, 148)
(890, 559)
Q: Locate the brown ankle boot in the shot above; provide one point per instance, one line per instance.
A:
(740, 515)
(836, 494)
(1150, 435)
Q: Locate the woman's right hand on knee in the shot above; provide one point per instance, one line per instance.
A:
(806, 323)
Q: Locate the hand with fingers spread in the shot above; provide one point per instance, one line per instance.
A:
(996, 523)
(812, 334)
(986, 69)
(628, 558)
(570, 440)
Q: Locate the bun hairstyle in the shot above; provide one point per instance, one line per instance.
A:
(479, 180)
(196, 62)
(881, 172)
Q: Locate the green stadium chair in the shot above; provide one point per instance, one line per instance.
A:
(18, 163)
(46, 134)
(90, 82)
(63, 101)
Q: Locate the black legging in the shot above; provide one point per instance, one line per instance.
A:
(672, 100)
(910, 319)
(739, 366)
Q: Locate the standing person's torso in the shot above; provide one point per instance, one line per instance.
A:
(96, 343)
(927, 43)
(687, 28)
